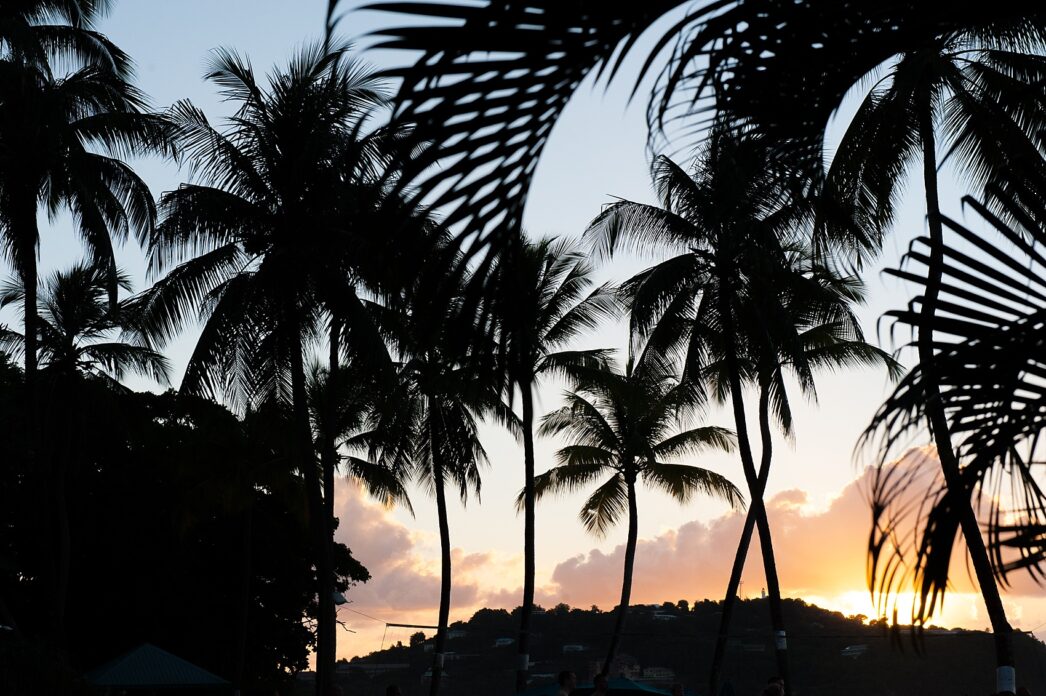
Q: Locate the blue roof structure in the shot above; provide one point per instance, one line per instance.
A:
(149, 667)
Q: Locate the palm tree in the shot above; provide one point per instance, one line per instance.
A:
(628, 425)
(830, 338)
(345, 410)
(981, 91)
(63, 141)
(77, 325)
(78, 341)
(37, 32)
(542, 301)
(265, 243)
(430, 428)
(987, 367)
(744, 300)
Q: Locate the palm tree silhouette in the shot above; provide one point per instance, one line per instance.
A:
(542, 301)
(63, 142)
(830, 338)
(266, 244)
(981, 91)
(79, 341)
(738, 297)
(79, 331)
(36, 32)
(627, 425)
(430, 427)
(345, 410)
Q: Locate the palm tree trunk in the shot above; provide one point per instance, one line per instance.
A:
(1005, 678)
(28, 233)
(62, 462)
(529, 550)
(730, 601)
(626, 582)
(329, 464)
(445, 573)
(303, 448)
(243, 618)
(744, 446)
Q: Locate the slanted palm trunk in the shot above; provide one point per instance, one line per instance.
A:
(626, 582)
(730, 601)
(757, 508)
(528, 538)
(314, 498)
(939, 422)
(445, 571)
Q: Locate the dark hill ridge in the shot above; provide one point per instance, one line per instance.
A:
(831, 654)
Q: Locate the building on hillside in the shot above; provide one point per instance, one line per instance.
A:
(658, 674)
(621, 666)
(504, 642)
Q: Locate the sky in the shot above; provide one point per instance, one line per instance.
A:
(596, 152)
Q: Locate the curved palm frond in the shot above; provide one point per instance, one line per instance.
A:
(988, 364)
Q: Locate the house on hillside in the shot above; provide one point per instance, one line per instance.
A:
(659, 674)
(504, 642)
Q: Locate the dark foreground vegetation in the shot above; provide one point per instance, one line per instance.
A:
(181, 518)
(831, 653)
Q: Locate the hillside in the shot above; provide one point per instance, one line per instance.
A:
(831, 653)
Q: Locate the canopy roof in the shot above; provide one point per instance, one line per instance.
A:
(149, 667)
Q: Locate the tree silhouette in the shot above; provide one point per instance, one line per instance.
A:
(542, 301)
(743, 300)
(627, 425)
(429, 426)
(77, 340)
(266, 244)
(979, 91)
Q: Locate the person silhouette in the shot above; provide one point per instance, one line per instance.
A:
(567, 683)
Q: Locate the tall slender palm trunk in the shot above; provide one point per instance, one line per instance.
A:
(529, 550)
(1003, 633)
(244, 608)
(25, 219)
(626, 581)
(314, 498)
(445, 574)
(757, 507)
(67, 413)
(745, 542)
(329, 465)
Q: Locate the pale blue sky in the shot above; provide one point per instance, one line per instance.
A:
(596, 151)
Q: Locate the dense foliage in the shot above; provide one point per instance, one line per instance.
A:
(188, 532)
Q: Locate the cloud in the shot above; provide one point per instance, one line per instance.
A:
(820, 557)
